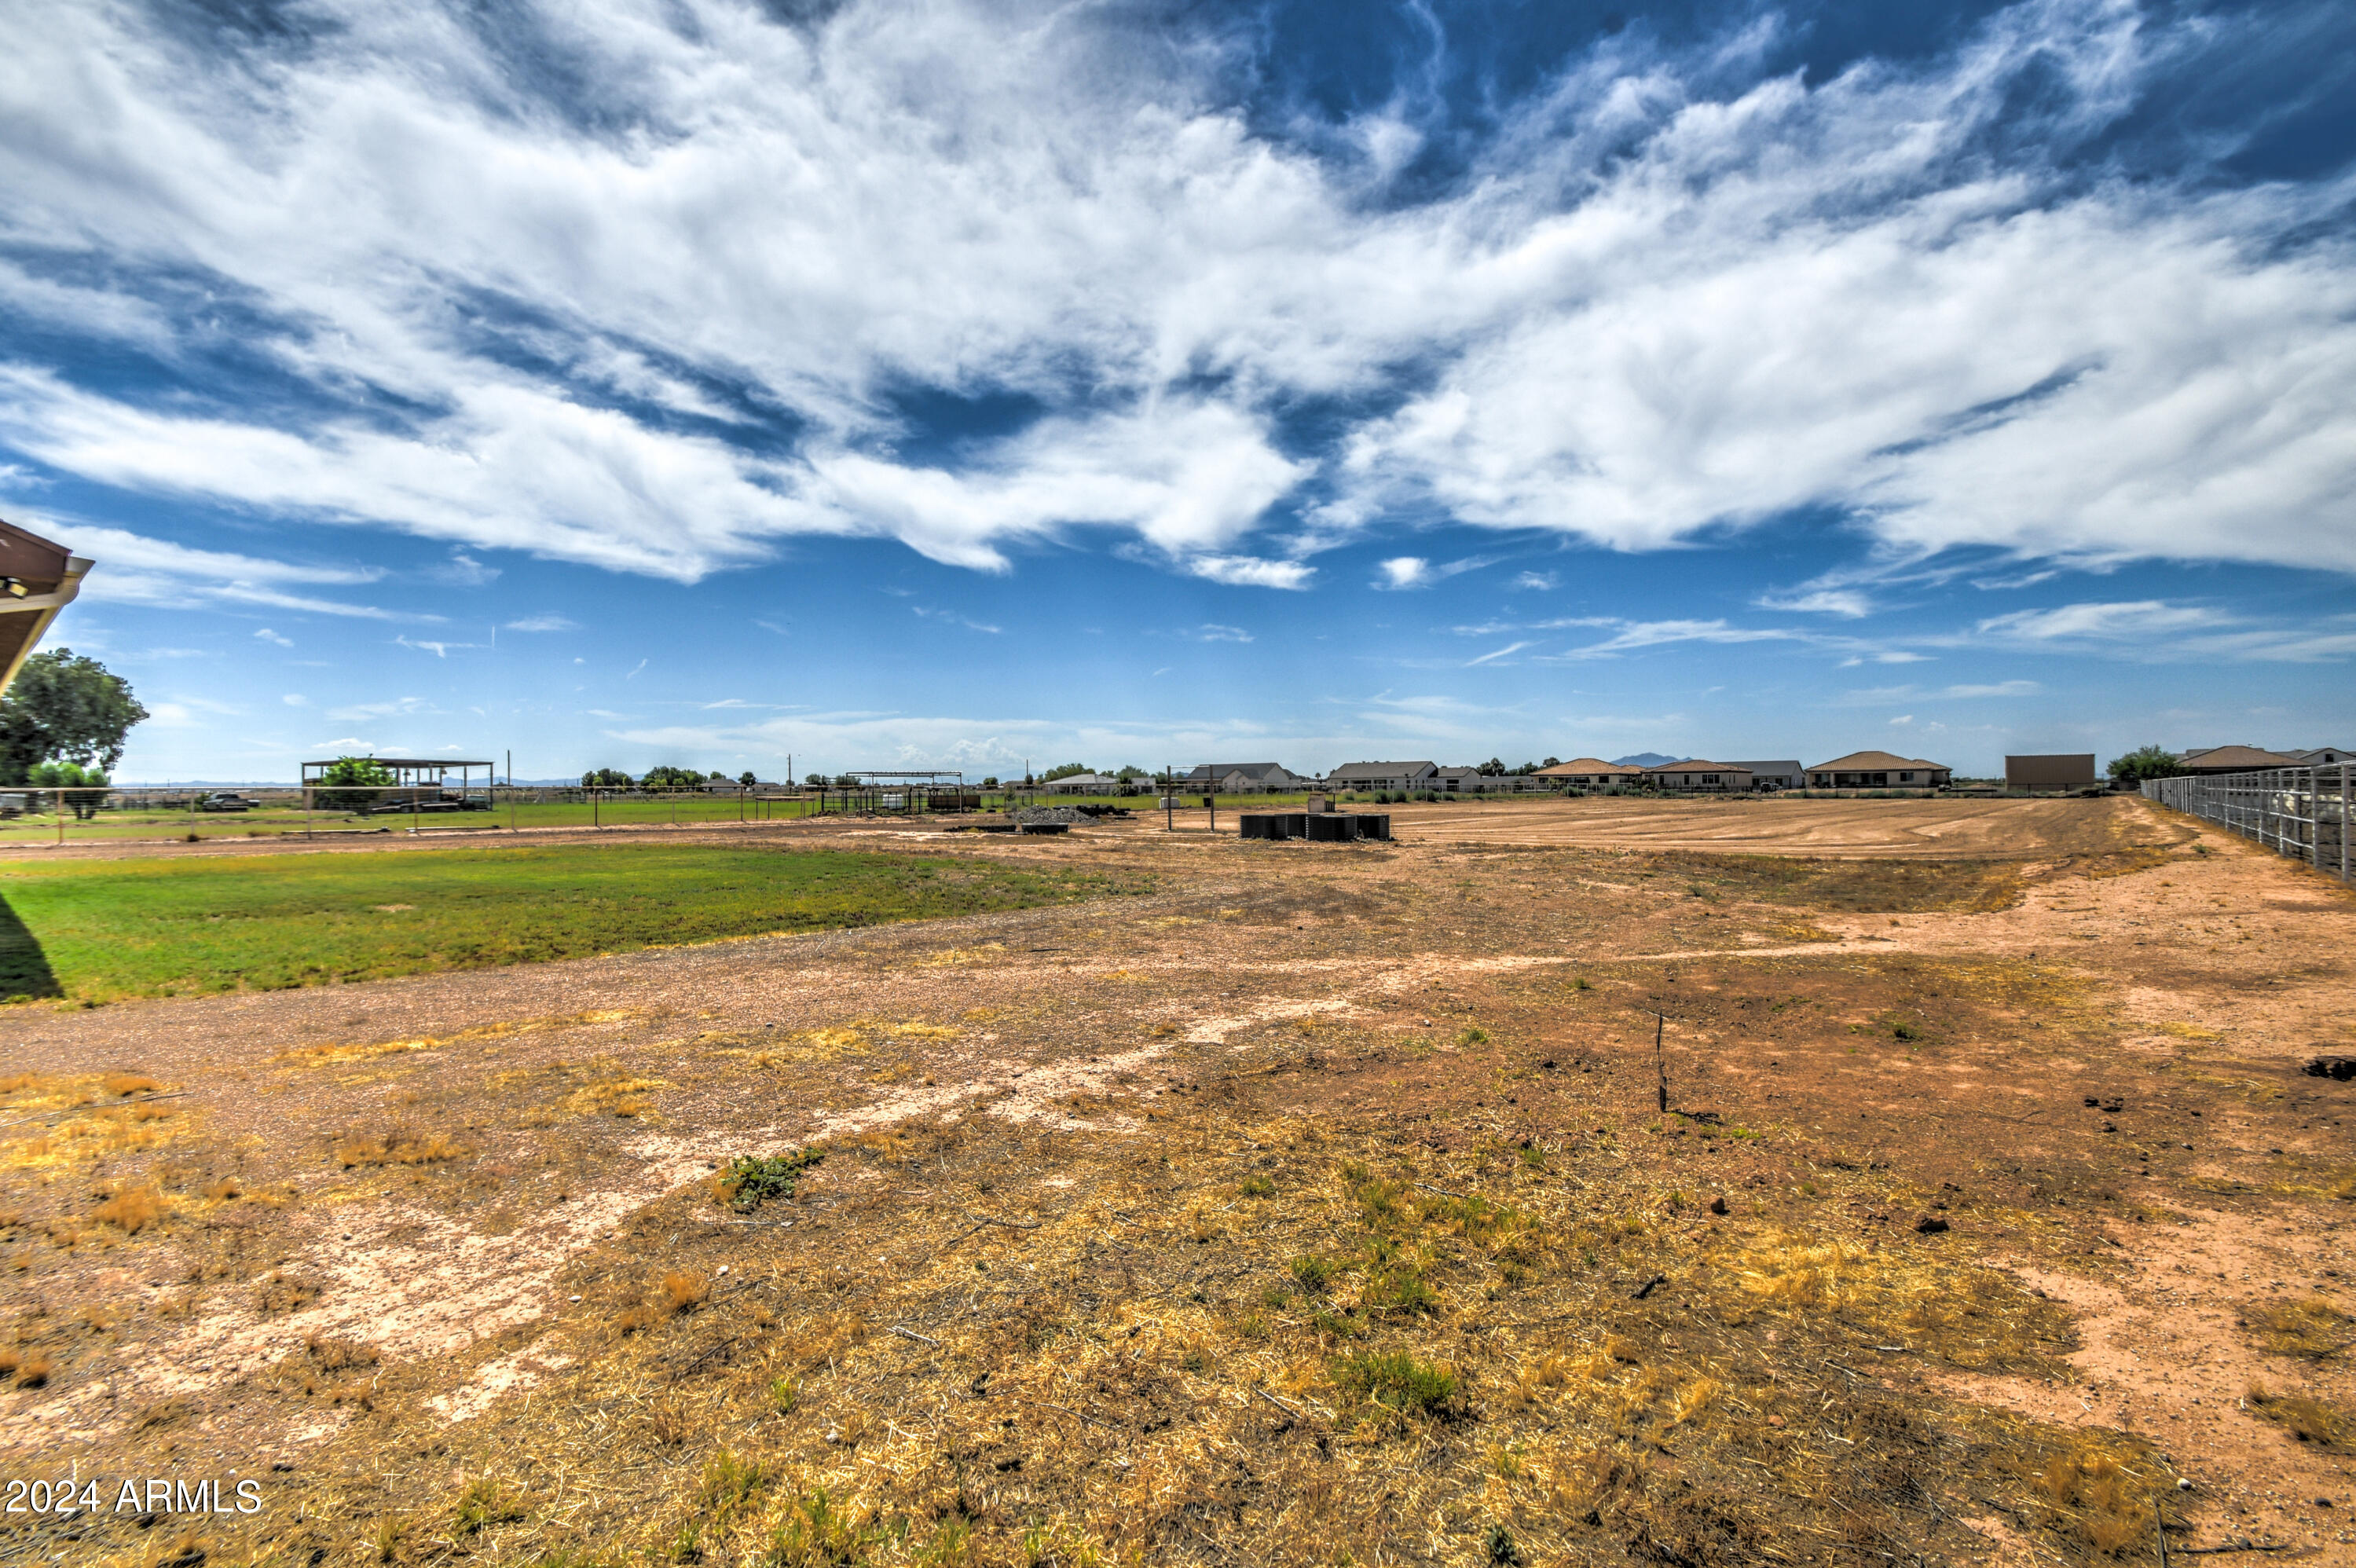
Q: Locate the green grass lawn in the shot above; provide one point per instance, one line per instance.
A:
(137, 927)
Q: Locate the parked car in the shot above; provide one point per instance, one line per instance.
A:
(226, 801)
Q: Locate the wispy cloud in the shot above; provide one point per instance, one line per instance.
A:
(1511, 647)
(545, 622)
(953, 618)
(1211, 631)
(1631, 635)
(2108, 622)
(1675, 292)
(266, 635)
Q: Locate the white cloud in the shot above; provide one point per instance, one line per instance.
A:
(1510, 647)
(1903, 719)
(266, 635)
(2103, 622)
(1210, 631)
(1656, 633)
(1535, 581)
(955, 620)
(295, 700)
(1847, 603)
(398, 707)
(543, 623)
(1248, 571)
(1658, 306)
(1405, 571)
(134, 569)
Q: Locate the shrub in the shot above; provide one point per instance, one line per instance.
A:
(1398, 1381)
(351, 773)
(751, 1180)
(1313, 1273)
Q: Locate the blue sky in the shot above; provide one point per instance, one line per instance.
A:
(926, 383)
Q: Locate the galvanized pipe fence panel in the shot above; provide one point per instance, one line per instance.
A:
(2302, 813)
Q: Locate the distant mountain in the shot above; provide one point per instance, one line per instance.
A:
(1643, 759)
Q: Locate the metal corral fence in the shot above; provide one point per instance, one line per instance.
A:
(2302, 813)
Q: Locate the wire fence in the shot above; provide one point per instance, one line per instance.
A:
(2302, 813)
(88, 813)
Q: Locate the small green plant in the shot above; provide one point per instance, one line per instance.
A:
(1397, 1381)
(1534, 1156)
(815, 1533)
(484, 1503)
(1400, 1289)
(751, 1180)
(729, 1483)
(1257, 1187)
(785, 1394)
(1502, 1549)
(1339, 1325)
(1581, 982)
(1313, 1273)
(1472, 1036)
(1905, 1031)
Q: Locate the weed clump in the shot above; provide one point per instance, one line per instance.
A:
(751, 1180)
(1399, 1382)
(2308, 1420)
(2312, 1327)
(132, 1209)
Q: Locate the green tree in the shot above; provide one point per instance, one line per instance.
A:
(1493, 768)
(82, 788)
(1063, 770)
(2146, 762)
(668, 776)
(745, 778)
(365, 782)
(1132, 771)
(1551, 762)
(605, 779)
(65, 707)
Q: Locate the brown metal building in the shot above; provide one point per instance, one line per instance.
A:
(37, 579)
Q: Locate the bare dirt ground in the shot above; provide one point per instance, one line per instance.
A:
(1992, 1203)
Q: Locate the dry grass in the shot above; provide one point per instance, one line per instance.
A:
(128, 1083)
(132, 1209)
(1272, 1340)
(396, 1146)
(339, 1053)
(2308, 1326)
(2308, 1420)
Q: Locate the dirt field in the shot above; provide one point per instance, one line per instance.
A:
(1314, 1207)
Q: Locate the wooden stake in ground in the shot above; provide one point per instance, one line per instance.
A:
(1660, 1062)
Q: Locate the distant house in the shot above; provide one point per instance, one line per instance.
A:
(2235, 759)
(1589, 773)
(2324, 756)
(1383, 776)
(1879, 770)
(1694, 773)
(1243, 779)
(1083, 784)
(2060, 770)
(1775, 775)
